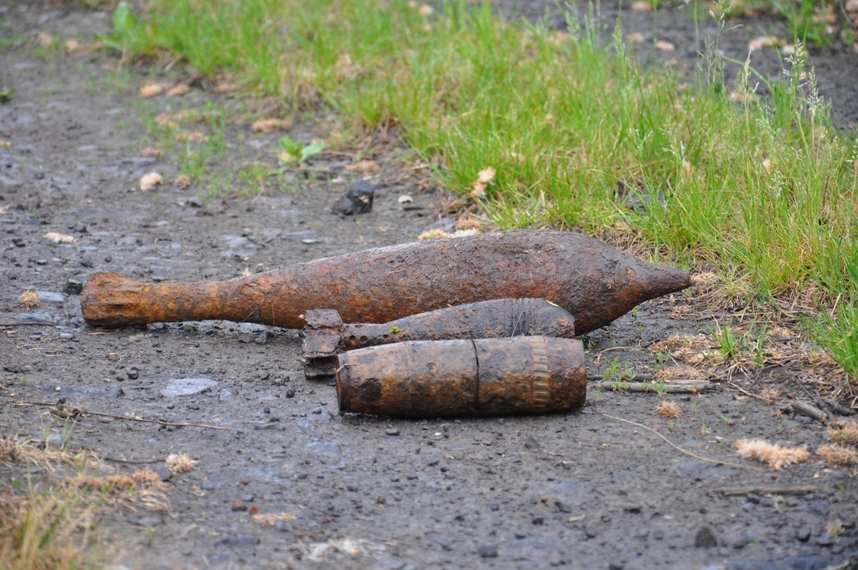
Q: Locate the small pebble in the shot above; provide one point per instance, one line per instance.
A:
(488, 551)
(705, 538)
(391, 431)
(163, 472)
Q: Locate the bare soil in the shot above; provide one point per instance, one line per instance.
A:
(584, 490)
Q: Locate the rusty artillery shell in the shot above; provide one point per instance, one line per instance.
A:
(326, 335)
(521, 375)
(592, 280)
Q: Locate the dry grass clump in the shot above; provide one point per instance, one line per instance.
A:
(57, 237)
(29, 299)
(182, 182)
(48, 515)
(166, 121)
(440, 234)
(835, 454)
(774, 456)
(270, 519)
(363, 167)
(668, 409)
(484, 178)
(178, 91)
(193, 136)
(770, 395)
(468, 222)
(149, 181)
(151, 89)
(180, 463)
(679, 373)
(685, 342)
(844, 432)
(47, 459)
(51, 529)
(149, 152)
(269, 125)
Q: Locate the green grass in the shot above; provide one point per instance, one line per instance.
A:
(762, 191)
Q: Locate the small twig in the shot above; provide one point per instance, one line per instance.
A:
(765, 491)
(684, 451)
(132, 462)
(842, 410)
(81, 411)
(808, 410)
(745, 392)
(672, 387)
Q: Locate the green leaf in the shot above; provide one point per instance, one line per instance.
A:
(290, 146)
(123, 20)
(312, 150)
(6, 95)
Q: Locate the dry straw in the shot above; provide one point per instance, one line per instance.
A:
(773, 455)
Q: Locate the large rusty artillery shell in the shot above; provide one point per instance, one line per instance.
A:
(326, 335)
(521, 375)
(592, 280)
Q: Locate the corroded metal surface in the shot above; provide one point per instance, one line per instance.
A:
(522, 375)
(326, 334)
(592, 280)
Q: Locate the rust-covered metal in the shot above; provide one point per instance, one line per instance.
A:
(326, 335)
(506, 376)
(595, 282)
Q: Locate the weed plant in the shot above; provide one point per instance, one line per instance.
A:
(761, 190)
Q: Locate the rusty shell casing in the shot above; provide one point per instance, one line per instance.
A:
(592, 280)
(326, 335)
(506, 376)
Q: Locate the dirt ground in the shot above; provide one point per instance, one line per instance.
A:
(585, 490)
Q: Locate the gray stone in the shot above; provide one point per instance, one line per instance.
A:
(226, 395)
(148, 521)
(705, 538)
(325, 447)
(239, 540)
(51, 297)
(40, 317)
(73, 287)
(488, 551)
(162, 471)
(187, 386)
(356, 200)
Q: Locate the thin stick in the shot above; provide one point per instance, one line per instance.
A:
(760, 398)
(809, 410)
(81, 411)
(685, 451)
(765, 491)
(115, 460)
(673, 387)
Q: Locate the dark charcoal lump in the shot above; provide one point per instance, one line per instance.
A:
(356, 200)
(73, 287)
